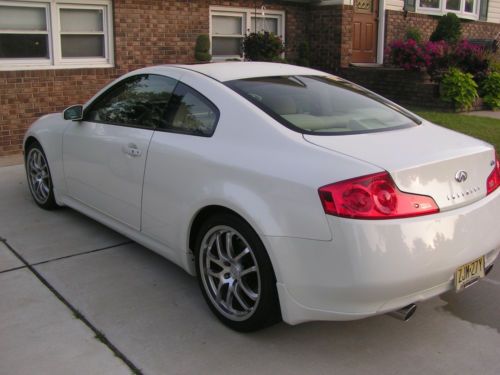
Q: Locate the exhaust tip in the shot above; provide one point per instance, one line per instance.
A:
(405, 313)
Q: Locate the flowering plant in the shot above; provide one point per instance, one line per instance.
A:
(411, 55)
(407, 54)
(471, 58)
(439, 56)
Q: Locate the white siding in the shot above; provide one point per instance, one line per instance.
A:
(494, 11)
(396, 4)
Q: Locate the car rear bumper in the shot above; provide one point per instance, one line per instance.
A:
(372, 267)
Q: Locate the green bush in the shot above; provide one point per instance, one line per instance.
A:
(459, 88)
(495, 66)
(447, 29)
(490, 88)
(263, 46)
(413, 33)
(202, 48)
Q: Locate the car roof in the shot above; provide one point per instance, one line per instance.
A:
(228, 71)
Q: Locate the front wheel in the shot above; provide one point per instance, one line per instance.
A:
(39, 178)
(235, 274)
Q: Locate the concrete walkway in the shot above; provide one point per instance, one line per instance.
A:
(65, 279)
(490, 114)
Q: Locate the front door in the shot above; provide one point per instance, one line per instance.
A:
(364, 31)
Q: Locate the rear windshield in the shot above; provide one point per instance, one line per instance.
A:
(323, 105)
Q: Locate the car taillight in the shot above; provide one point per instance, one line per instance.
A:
(493, 180)
(373, 197)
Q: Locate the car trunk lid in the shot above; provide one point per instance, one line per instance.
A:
(427, 159)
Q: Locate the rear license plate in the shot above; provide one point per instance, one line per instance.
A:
(468, 274)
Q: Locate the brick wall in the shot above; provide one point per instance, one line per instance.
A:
(402, 87)
(330, 35)
(147, 32)
(151, 32)
(27, 95)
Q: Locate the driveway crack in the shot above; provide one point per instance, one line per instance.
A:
(97, 333)
(82, 253)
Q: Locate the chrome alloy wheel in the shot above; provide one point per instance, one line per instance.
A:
(230, 273)
(38, 175)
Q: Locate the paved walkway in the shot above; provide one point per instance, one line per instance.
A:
(6, 161)
(65, 279)
(491, 114)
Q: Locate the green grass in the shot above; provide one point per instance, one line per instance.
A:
(487, 129)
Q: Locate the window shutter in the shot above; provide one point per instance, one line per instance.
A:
(410, 5)
(483, 10)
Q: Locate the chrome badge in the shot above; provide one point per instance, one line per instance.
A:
(461, 176)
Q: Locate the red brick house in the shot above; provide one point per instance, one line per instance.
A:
(54, 53)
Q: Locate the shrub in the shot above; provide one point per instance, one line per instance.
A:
(436, 56)
(263, 46)
(440, 56)
(495, 66)
(202, 48)
(490, 88)
(410, 55)
(471, 59)
(459, 88)
(304, 54)
(413, 33)
(447, 29)
(407, 54)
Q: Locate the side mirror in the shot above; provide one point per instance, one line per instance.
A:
(74, 113)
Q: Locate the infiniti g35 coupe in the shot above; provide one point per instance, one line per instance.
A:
(290, 193)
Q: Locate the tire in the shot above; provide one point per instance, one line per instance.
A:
(237, 282)
(39, 178)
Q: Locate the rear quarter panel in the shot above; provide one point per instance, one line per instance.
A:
(252, 165)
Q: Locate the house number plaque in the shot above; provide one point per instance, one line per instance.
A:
(363, 5)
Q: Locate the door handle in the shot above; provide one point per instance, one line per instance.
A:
(132, 150)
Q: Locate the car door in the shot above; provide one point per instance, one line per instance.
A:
(104, 155)
(175, 164)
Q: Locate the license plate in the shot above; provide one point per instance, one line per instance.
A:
(468, 274)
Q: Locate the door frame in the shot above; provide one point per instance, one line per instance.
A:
(381, 32)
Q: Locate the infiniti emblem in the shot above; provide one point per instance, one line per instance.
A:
(461, 176)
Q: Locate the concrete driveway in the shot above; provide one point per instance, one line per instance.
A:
(76, 297)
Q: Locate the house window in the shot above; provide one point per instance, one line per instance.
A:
(24, 32)
(47, 34)
(82, 33)
(462, 8)
(228, 31)
(228, 27)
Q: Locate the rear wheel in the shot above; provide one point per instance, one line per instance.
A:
(39, 179)
(235, 274)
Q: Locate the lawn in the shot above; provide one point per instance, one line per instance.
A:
(487, 129)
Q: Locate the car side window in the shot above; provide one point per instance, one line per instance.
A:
(191, 112)
(137, 101)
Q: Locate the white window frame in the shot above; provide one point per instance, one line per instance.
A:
(246, 14)
(33, 60)
(442, 10)
(55, 60)
(244, 24)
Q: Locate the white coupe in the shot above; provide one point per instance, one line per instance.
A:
(290, 193)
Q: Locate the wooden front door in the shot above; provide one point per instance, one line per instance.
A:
(364, 31)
